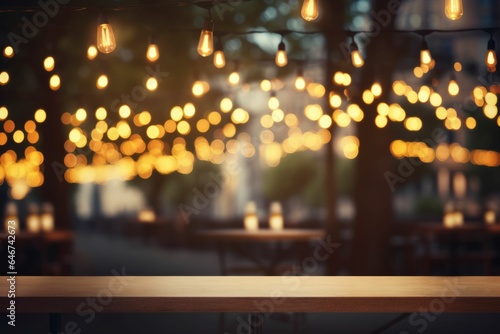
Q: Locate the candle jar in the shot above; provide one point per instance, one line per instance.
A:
(276, 217)
(276, 222)
(33, 222)
(11, 218)
(251, 221)
(47, 217)
(490, 217)
(448, 220)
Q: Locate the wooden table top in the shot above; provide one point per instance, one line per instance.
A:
(136, 294)
(262, 234)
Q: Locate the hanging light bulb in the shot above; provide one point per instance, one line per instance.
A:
(91, 52)
(49, 64)
(197, 88)
(356, 57)
(106, 42)
(453, 9)
(234, 77)
(219, 58)
(153, 53)
(8, 51)
(281, 57)
(206, 43)
(453, 88)
(310, 10)
(425, 54)
(300, 82)
(491, 56)
(200, 88)
(273, 103)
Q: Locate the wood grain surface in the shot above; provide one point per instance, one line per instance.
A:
(255, 293)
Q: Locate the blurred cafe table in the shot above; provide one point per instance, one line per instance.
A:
(261, 245)
(469, 243)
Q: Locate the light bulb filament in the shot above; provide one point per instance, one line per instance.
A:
(425, 57)
(106, 42)
(310, 10)
(425, 54)
(491, 56)
(206, 42)
(281, 57)
(106, 39)
(356, 57)
(219, 59)
(453, 9)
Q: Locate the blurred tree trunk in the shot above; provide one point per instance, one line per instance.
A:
(333, 20)
(373, 198)
(55, 189)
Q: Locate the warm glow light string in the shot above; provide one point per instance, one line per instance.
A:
(112, 158)
(155, 155)
(119, 151)
(310, 9)
(106, 42)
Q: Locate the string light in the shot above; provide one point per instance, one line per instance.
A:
(324, 120)
(49, 64)
(91, 52)
(356, 58)
(376, 89)
(234, 77)
(453, 9)
(300, 82)
(281, 57)
(102, 81)
(4, 78)
(152, 84)
(206, 42)
(219, 58)
(491, 56)
(453, 88)
(55, 82)
(425, 54)
(153, 52)
(106, 42)
(310, 10)
(273, 102)
(200, 88)
(8, 51)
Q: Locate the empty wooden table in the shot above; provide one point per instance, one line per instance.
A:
(258, 295)
(239, 239)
